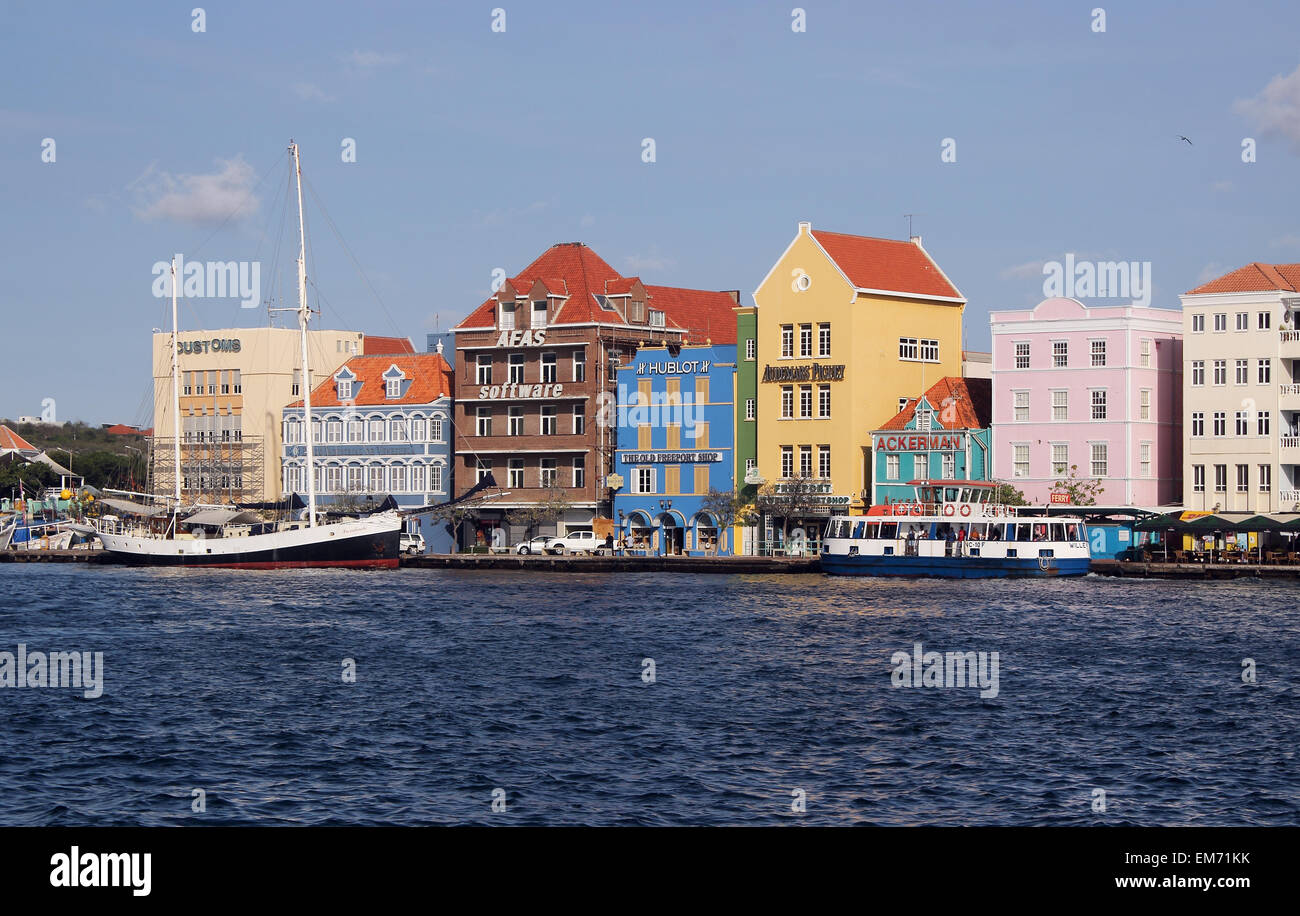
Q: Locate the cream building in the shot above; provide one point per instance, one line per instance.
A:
(234, 383)
(1241, 391)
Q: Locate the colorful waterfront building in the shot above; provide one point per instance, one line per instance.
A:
(1097, 389)
(381, 426)
(942, 435)
(1241, 391)
(538, 369)
(849, 328)
(676, 416)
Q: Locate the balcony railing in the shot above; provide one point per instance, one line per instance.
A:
(1289, 442)
(1288, 389)
(1290, 336)
(1288, 497)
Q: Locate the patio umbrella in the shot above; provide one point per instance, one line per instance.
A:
(1259, 523)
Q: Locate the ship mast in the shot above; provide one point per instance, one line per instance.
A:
(176, 390)
(304, 314)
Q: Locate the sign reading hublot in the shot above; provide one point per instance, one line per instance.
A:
(813, 373)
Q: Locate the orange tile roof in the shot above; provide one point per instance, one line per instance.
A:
(582, 274)
(10, 439)
(431, 378)
(886, 264)
(121, 429)
(371, 346)
(1254, 278)
(972, 399)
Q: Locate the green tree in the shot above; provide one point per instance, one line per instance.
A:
(728, 507)
(1083, 491)
(1008, 495)
(787, 500)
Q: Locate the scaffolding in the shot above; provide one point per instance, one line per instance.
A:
(213, 470)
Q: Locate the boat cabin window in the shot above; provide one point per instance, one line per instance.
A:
(889, 529)
(951, 494)
(860, 529)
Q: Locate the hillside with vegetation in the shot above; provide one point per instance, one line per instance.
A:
(102, 458)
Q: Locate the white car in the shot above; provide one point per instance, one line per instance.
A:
(536, 544)
(574, 542)
(411, 543)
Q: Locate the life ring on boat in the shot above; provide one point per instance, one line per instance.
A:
(918, 509)
(1044, 563)
(948, 509)
(965, 511)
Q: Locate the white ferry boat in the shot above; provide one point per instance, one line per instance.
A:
(954, 529)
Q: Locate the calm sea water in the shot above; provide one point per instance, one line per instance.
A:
(231, 682)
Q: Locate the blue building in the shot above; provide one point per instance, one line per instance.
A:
(676, 428)
(942, 435)
(381, 427)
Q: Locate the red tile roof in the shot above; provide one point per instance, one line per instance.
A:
(971, 398)
(1254, 278)
(706, 315)
(886, 264)
(573, 269)
(372, 346)
(431, 378)
(10, 439)
(121, 429)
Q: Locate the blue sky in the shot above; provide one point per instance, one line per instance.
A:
(478, 149)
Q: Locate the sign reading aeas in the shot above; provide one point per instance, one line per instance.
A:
(531, 337)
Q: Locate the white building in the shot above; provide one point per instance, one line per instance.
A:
(1241, 384)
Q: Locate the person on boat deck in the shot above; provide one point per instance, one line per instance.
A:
(961, 534)
(974, 534)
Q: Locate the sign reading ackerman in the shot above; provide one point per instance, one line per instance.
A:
(813, 373)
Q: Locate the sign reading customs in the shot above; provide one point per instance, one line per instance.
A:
(814, 373)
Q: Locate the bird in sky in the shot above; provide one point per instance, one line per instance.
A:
(1189, 142)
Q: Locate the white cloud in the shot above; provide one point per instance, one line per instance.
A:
(637, 263)
(367, 60)
(310, 92)
(1276, 110)
(1027, 269)
(1211, 271)
(204, 198)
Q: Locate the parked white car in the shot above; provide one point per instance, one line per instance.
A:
(574, 542)
(536, 544)
(411, 543)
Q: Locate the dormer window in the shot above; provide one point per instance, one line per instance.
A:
(507, 316)
(539, 313)
(344, 380)
(636, 311)
(656, 318)
(393, 379)
(923, 421)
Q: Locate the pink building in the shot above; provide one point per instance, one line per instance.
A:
(1096, 388)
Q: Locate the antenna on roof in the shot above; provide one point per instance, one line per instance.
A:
(908, 217)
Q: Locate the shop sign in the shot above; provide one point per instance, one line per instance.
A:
(944, 442)
(215, 345)
(813, 373)
(674, 367)
(516, 390)
(671, 457)
(528, 337)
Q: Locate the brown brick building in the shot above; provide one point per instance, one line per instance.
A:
(536, 379)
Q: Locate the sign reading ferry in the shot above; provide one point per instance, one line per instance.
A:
(1060, 499)
(939, 442)
(813, 373)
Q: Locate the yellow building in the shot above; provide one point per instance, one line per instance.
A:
(849, 328)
